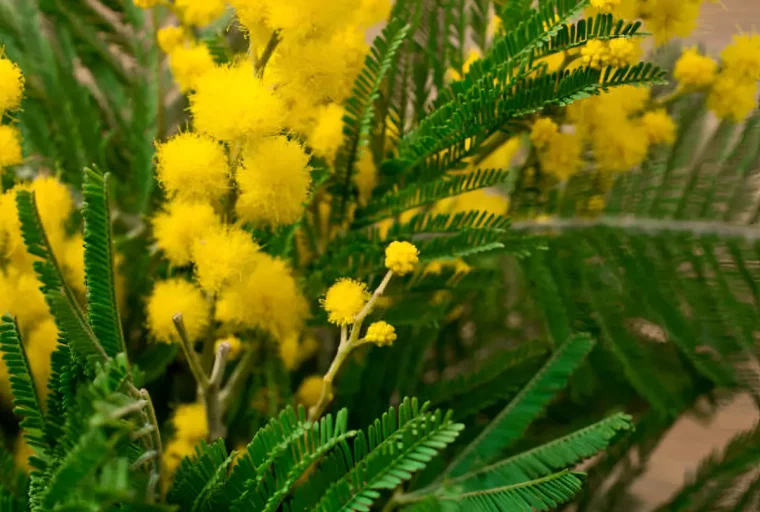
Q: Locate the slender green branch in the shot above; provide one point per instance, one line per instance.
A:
(192, 358)
(237, 379)
(261, 61)
(214, 410)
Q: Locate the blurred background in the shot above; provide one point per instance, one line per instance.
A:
(692, 439)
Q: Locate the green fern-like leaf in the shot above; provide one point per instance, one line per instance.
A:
(103, 312)
(360, 106)
(76, 332)
(511, 422)
(25, 398)
(200, 479)
(281, 453)
(555, 455)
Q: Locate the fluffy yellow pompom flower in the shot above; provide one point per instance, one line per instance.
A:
(176, 296)
(174, 451)
(542, 132)
(741, 59)
(344, 300)
(274, 182)
(231, 104)
(200, 12)
(189, 422)
(694, 70)
(562, 157)
(327, 135)
(11, 85)
(730, 98)
(146, 4)
(669, 18)
(177, 229)
(381, 334)
(189, 63)
(21, 297)
(191, 166)
(268, 298)
(222, 256)
(605, 5)
(41, 343)
(621, 52)
(170, 38)
(236, 346)
(310, 390)
(55, 204)
(659, 127)
(401, 257)
(10, 146)
(622, 148)
(373, 11)
(299, 18)
(595, 54)
(365, 177)
(73, 262)
(11, 243)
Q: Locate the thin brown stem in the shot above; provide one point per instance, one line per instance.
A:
(214, 411)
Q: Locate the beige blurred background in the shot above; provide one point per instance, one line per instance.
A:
(691, 439)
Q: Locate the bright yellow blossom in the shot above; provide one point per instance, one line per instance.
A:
(191, 166)
(236, 346)
(176, 296)
(365, 177)
(595, 53)
(310, 390)
(694, 70)
(73, 263)
(543, 131)
(11, 85)
(327, 135)
(20, 296)
(621, 52)
(146, 4)
(381, 334)
(730, 98)
(170, 38)
(200, 12)
(223, 256)
(659, 127)
(401, 257)
(174, 451)
(55, 205)
(41, 343)
(299, 18)
(267, 298)
(274, 182)
(741, 59)
(667, 19)
(622, 148)
(189, 63)
(344, 300)
(180, 225)
(562, 157)
(10, 146)
(189, 421)
(371, 12)
(605, 5)
(231, 104)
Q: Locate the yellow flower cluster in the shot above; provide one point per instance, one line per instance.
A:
(20, 293)
(665, 19)
(190, 428)
(732, 91)
(559, 153)
(615, 53)
(381, 334)
(344, 300)
(401, 257)
(11, 92)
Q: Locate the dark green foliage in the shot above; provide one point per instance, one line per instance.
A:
(199, 481)
(511, 423)
(98, 261)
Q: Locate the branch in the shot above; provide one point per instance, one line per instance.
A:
(261, 62)
(192, 358)
(652, 226)
(237, 379)
(214, 410)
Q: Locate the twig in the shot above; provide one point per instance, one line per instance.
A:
(237, 379)
(261, 61)
(214, 410)
(128, 409)
(190, 355)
